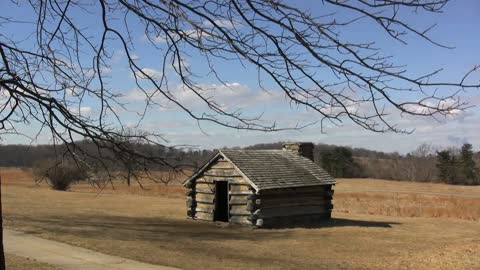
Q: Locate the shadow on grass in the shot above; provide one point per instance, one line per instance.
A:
(161, 229)
(342, 222)
(201, 239)
(143, 228)
(330, 223)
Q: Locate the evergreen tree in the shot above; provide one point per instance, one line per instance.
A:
(327, 162)
(452, 170)
(343, 160)
(443, 165)
(467, 163)
(338, 161)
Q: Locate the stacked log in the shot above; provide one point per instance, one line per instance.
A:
(264, 208)
(290, 207)
(254, 205)
(205, 199)
(190, 193)
(239, 204)
(203, 206)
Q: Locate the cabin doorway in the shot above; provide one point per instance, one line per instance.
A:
(221, 201)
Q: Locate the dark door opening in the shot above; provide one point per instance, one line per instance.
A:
(221, 201)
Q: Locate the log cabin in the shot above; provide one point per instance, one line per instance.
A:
(263, 188)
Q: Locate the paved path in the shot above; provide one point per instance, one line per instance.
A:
(68, 257)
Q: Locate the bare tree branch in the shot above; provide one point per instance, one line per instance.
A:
(50, 75)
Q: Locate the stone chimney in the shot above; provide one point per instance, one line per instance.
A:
(304, 149)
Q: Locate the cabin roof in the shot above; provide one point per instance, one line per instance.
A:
(272, 169)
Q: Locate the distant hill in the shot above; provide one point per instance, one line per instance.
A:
(363, 162)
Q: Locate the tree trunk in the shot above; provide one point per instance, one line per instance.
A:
(2, 252)
(129, 175)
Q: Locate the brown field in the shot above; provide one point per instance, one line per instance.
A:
(154, 229)
(364, 184)
(407, 199)
(357, 196)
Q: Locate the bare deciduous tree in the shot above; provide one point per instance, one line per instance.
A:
(132, 139)
(47, 77)
(420, 163)
(170, 176)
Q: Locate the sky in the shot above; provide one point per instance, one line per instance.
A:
(457, 26)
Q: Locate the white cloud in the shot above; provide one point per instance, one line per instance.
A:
(236, 95)
(189, 33)
(135, 95)
(89, 72)
(349, 135)
(153, 73)
(106, 70)
(228, 96)
(347, 106)
(223, 23)
(428, 107)
(135, 57)
(184, 63)
(84, 111)
(4, 94)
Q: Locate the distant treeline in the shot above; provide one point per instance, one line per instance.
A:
(29, 155)
(425, 164)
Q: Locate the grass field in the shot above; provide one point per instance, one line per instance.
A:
(154, 229)
(357, 196)
(407, 199)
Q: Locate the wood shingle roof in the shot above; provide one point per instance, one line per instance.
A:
(271, 169)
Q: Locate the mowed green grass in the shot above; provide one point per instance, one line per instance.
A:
(154, 229)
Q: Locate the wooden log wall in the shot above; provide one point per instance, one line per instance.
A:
(269, 208)
(283, 207)
(201, 195)
(190, 199)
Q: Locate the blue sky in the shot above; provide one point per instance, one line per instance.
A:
(457, 26)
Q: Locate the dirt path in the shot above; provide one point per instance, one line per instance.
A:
(68, 257)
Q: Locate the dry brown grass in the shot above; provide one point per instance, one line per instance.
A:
(154, 229)
(357, 196)
(17, 177)
(360, 184)
(148, 189)
(389, 199)
(23, 177)
(407, 205)
(150, 186)
(20, 263)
